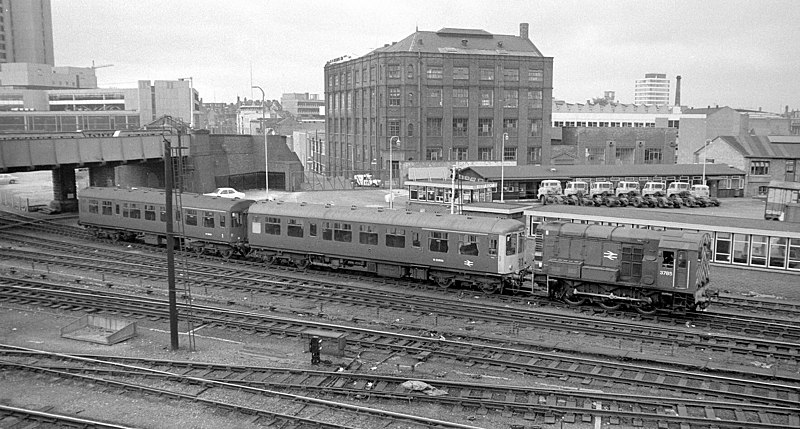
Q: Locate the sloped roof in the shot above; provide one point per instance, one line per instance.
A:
(765, 146)
(450, 40)
(526, 172)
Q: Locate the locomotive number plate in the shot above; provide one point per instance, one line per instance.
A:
(665, 273)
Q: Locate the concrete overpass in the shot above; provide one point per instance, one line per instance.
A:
(99, 151)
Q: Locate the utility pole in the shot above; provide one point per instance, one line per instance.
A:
(168, 185)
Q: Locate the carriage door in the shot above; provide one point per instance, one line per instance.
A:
(682, 270)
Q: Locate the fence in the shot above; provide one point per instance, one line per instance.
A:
(9, 200)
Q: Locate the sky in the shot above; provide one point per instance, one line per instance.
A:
(738, 53)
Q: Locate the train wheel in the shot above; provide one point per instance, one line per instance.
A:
(444, 282)
(227, 253)
(198, 250)
(488, 287)
(645, 308)
(574, 300)
(301, 263)
(609, 305)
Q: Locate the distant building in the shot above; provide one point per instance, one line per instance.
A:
(26, 32)
(653, 89)
(62, 110)
(219, 118)
(304, 106)
(450, 94)
(45, 76)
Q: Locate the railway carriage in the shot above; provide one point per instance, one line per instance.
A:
(614, 266)
(486, 253)
(205, 224)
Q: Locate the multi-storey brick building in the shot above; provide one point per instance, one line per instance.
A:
(452, 94)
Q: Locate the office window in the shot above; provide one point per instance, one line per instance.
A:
(510, 75)
(435, 97)
(485, 153)
(509, 154)
(535, 98)
(410, 71)
(759, 168)
(535, 75)
(487, 97)
(723, 247)
(460, 153)
(460, 97)
(433, 154)
(534, 155)
(460, 127)
(510, 98)
(394, 127)
(595, 155)
(433, 127)
(460, 73)
(394, 97)
(394, 71)
(758, 250)
(623, 156)
(535, 128)
(510, 127)
(410, 130)
(434, 72)
(652, 156)
(741, 248)
(485, 127)
(487, 73)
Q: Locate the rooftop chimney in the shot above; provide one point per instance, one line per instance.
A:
(523, 30)
(678, 91)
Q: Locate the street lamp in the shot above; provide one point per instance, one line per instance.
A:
(264, 130)
(391, 192)
(502, 165)
(705, 149)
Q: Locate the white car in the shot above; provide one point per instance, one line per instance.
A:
(8, 179)
(226, 193)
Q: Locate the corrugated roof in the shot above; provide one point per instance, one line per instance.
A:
(450, 40)
(765, 146)
(575, 171)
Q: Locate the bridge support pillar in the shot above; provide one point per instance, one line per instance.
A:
(64, 193)
(102, 176)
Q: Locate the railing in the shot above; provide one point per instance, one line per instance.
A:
(9, 200)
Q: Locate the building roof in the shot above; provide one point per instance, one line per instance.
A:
(765, 146)
(562, 106)
(574, 171)
(463, 41)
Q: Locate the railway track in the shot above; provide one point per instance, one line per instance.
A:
(767, 339)
(457, 398)
(500, 355)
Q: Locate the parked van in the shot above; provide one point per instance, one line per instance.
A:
(549, 187)
(656, 189)
(576, 187)
(677, 188)
(601, 188)
(627, 189)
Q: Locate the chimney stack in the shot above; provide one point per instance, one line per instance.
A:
(678, 91)
(523, 30)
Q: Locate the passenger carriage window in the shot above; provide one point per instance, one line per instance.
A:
(136, 212)
(191, 217)
(208, 219)
(342, 232)
(468, 245)
(415, 240)
(367, 234)
(294, 228)
(125, 210)
(493, 247)
(312, 230)
(237, 220)
(511, 244)
(117, 206)
(396, 237)
(163, 215)
(667, 258)
(437, 242)
(255, 225)
(149, 212)
(327, 231)
(222, 217)
(94, 206)
(107, 210)
(272, 226)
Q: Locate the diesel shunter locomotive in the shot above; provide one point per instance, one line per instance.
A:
(615, 266)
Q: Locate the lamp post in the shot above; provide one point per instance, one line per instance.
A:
(391, 192)
(264, 130)
(705, 149)
(503, 165)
